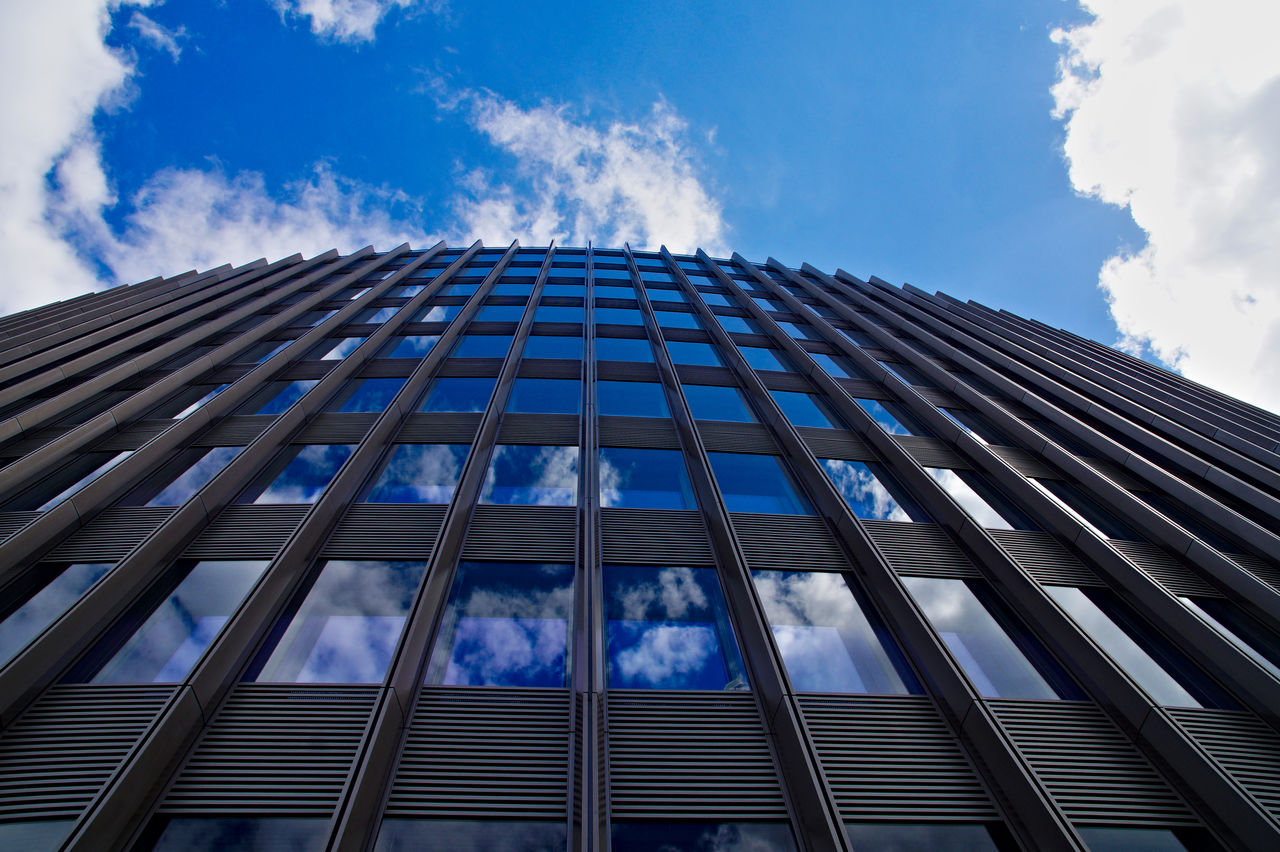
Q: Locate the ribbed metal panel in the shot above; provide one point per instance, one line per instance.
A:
(930, 452)
(1166, 569)
(658, 432)
(335, 428)
(247, 532)
(863, 388)
(385, 531)
(725, 437)
(11, 522)
(234, 431)
(835, 444)
(1245, 747)
(1092, 770)
(626, 371)
(694, 374)
(792, 542)
(550, 368)
(940, 398)
(786, 382)
(557, 429)
(1267, 572)
(274, 749)
(135, 435)
(485, 753)
(1116, 474)
(1045, 558)
(923, 550)
(57, 755)
(111, 534)
(690, 755)
(34, 441)
(654, 536)
(1026, 462)
(439, 428)
(893, 757)
(528, 533)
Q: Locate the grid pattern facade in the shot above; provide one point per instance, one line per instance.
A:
(535, 548)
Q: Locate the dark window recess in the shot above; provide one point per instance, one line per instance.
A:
(1075, 501)
(459, 394)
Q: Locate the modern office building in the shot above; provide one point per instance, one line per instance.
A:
(525, 549)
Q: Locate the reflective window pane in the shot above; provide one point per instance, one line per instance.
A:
(623, 349)
(667, 628)
(975, 496)
(806, 409)
(704, 354)
(520, 474)
(757, 483)
(336, 348)
(299, 475)
(409, 346)
(237, 834)
(56, 587)
(871, 492)
(482, 346)
(44, 835)
(1260, 644)
(65, 482)
(925, 837)
(413, 835)
(167, 645)
(506, 624)
(715, 402)
(892, 417)
(419, 473)
(346, 628)
(676, 319)
(553, 346)
(618, 316)
(644, 479)
(545, 396)
(997, 665)
(186, 401)
(739, 325)
(1085, 509)
(701, 837)
(283, 397)
(500, 313)
(765, 359)
(366, 395)
(631, 399)
(438, 313)
(827, 640)
(559, 313)
(976, 426)
(837, 366)
(192, 479)
(459, 394)
(1106, 838)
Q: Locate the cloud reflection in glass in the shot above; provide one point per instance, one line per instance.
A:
(532, 476)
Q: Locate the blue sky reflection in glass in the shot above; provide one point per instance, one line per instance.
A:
(532, 476)
(863, 486)
(419, 473)
(644, 479)
(459, 394)
(306, 474)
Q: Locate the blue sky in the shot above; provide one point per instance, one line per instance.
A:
(1040, 157)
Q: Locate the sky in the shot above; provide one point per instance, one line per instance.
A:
(1111, 167)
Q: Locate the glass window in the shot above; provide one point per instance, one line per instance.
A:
(545, 396)
(1184, 518)
(1107, 838)
(520, 474)
(618, 316)
(613, 291)
(668, 628)
(803, 330)
(1085, 510)
(438, 313)
(716, 299)
(892, 417)
(766, 359)
(754, 483)
(559, 313)
(644, 479)
(409, 346)
(165, 647)
(178, 490)
(927, 837)
(506, 624)
(676, 319)
(861, 338)
(406, 291)
(564, 290)
(701, 837)
(50, 591)
(976, 425)
(683, 352)
(482, 346)
(299, 474)
(419, 473)
(980, 500)
(459, 394)
(739, 325)
(769, 304)
(806, 409)
(375, 315)
(500, 313)
(907, 373)
(336, 348)
(366, 395)
(458, 290)
(186, 401)
(553, 346)
(261, 351)
(346, 628)
(66, 481)
(715, 402)
(872, 493)
(1160, 669)
(35, 835)
(413, 835)
(623, 349)
(1258, 643)
(631, 399)
(512, 288)
(221, 833)
(837, 366)
(277, 397)
(999, 664)
(830, 640)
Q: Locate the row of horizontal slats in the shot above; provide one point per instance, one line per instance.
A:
(656, 432)
(1026, 462)
(273, 748)
(690, 755)
(485, 753)
(930, 452)
(1267, 572)
(1173, 574)
(522, 532)
(556, 429)
(1092, 770)
(1242, 745)
(654, 536)
(835, 444)
(57, 755)
(439, 428)
(335, 428)
(721, 436)
(247, 532)
(923, 550)
(134, 436)
(11, 522)
(893, 757)
(1045, 558)
(789, 542)
(111, 534)
(234, 431)
(385, 531)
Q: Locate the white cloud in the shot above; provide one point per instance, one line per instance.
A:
(634, 182)
(1172, 107)
(158, 36)
(352, 20)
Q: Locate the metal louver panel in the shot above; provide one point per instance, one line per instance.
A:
(112, 533)
(385, 531)
(1260, 568)
(1116, 474)
(939, 397)
(471, 367)
(334, 428)
(924, 550)
(1026, 462)
(891, 756)
(439, 429)
(247, 532)
(835, 444)
(863, 388)
(522, 533)
(1092, 770)
(558, 429)
(274, 749)
(57, 755)
(736, 437)
(930, 452)
(1244, 746)
(11, 522)
(786, 382)
(550, 368)
(626, 371)
(690, 755)
(234, 431)
(694, 374)
(34, 441)
(1176, 576)
(654, 536)
(657, 432)
(1045, 558)
(788, 542)
(135, 435)
(485, 753)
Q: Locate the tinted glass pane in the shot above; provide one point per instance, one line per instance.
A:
(482, 346)
(528, 475)
(922, 837)
(837, 366)
(618, 316)
(765, 359)
(410, 346)
(668, 629)
(506, 624)
(412, 835)
(964, 487)
(165, 647)
(336, 348)
(644, 479)
(346, 629)
(282, 399)
(1246, 634)
(511, 288)
(676, 319)
(459, 394)
(714, 402)
(739, 325)
(500, 313)
(891, 417)
(631, 399)
(826, 638)
(238, 834)
(994, 662)
(458, 290)
(623, 349)
(871, 492)
(563, 290)
(186, 401)
(976, 426)
(300, 475)
(683, 352)
(367, 395)
(701, 837)
(559, 313)
(755, 483)
(907, 373)
(1113, 839)
(65, 482)
(1085, 510)
(547, 396)
(195, 477)
(613, 291)
(23, 620)
(549, 346)
(419, 473)
(44, 835)
(806, 409)
(438, 313)
(716, 299)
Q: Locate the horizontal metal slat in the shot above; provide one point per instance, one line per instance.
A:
(654, 536)
(554, 429)
(930, 452)
(726, 437)
(788, 541)
(1245, 747)
(443, 428)
(656, 432)
(1267, 572)
(134, 435)
(1045, 558)
(523, 533)
(385, 531)
(336, 428)
(111, 534)
(923, 550)
(247, 532)
(1166, 569)
(835, 444)
(1026, 462)
(11, 522)
(234, 431)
